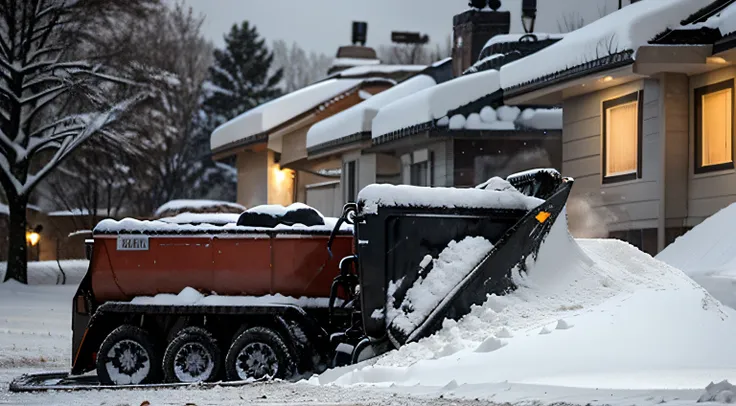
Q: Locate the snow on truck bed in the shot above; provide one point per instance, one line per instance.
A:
(191, 297)
(589, 314)
(502, 196)
(183, 204)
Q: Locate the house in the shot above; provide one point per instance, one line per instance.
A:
(440, 127)
(647, 95)
(345, 137)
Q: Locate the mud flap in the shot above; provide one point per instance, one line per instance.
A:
(493, 274)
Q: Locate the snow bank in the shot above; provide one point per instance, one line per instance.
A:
(589, 314)
(721, 392)
(707, 254)
(507, 118)
(191, 297)
(49, 273)
(624, 29)
(359, 118)
(198, 205)
(452, 265)
(377, 195)
(275, 112)
(434, 103)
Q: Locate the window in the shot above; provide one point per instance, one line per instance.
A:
(714, 127)
(351, 180)
(622, 121)
(419, 174)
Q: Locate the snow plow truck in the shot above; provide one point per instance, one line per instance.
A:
(285, 292)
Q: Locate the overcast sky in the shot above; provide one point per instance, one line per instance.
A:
(324, 25)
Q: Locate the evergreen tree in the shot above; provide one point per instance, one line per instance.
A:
(240, 77)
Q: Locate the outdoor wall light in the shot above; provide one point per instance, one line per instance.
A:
(34, 236)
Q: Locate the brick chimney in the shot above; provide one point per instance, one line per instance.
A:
(473, 28)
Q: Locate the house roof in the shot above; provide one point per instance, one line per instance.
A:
(426, 106)
(375, 70)
(607, 42)
(253, 124)
(356, 122)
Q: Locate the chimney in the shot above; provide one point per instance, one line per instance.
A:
(355, 54)
(473, 28)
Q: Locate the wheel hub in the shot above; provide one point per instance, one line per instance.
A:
(193, 363)
(128, 362)
(256, 361)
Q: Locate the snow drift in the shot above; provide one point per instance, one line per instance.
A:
(707, 254)
(589, 313)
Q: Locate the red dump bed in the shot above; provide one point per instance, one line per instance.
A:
(239, 261)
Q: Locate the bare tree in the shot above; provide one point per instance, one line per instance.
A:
(404, 54)
(299, 68)
(570, 22)
(55, 94)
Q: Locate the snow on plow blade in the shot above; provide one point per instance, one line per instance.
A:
(493, 274)
(438, 263)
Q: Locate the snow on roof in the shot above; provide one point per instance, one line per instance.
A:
(624, 29)
(379, 195)
(359, 118)
(434, 102)
(724, 21)
(354, 61)
(380, 68)
(276, 112)
(541, 36)
(183, 204)
(76, 212)
(506, 118)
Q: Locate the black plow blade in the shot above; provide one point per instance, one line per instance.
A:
(493, 274)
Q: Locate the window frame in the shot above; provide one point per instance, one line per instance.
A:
(637, 96)
(698, 94)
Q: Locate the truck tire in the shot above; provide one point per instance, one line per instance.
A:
(256, 354)
(192, 356)
(127, 356)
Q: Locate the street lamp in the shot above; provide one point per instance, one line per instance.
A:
(33, 236)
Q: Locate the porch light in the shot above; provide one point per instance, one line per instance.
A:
(607, 79)
(34, 236)
(716, 60)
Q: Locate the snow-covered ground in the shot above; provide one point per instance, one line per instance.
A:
(593, 322)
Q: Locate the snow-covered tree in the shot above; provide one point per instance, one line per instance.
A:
(55, 94)
(241, 77)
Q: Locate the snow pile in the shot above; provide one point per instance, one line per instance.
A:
(359, 118)
(588, 314)
(498, 184)
(277, 210)
(506, 118)
(721, 392)
(434, 103)
(191, 297)
(196, 206)
(200, 218)
(66, 272)
(625, 29)
(275, 112)
(376, 195)
(707, 254)
(452, 265)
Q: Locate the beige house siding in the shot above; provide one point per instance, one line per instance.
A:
(441, 166)
(676, 145)
(707, 192)
(252, 178)
(625, 205)
(325, 197)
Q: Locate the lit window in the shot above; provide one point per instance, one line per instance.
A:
(714, 127)
(621, 138)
